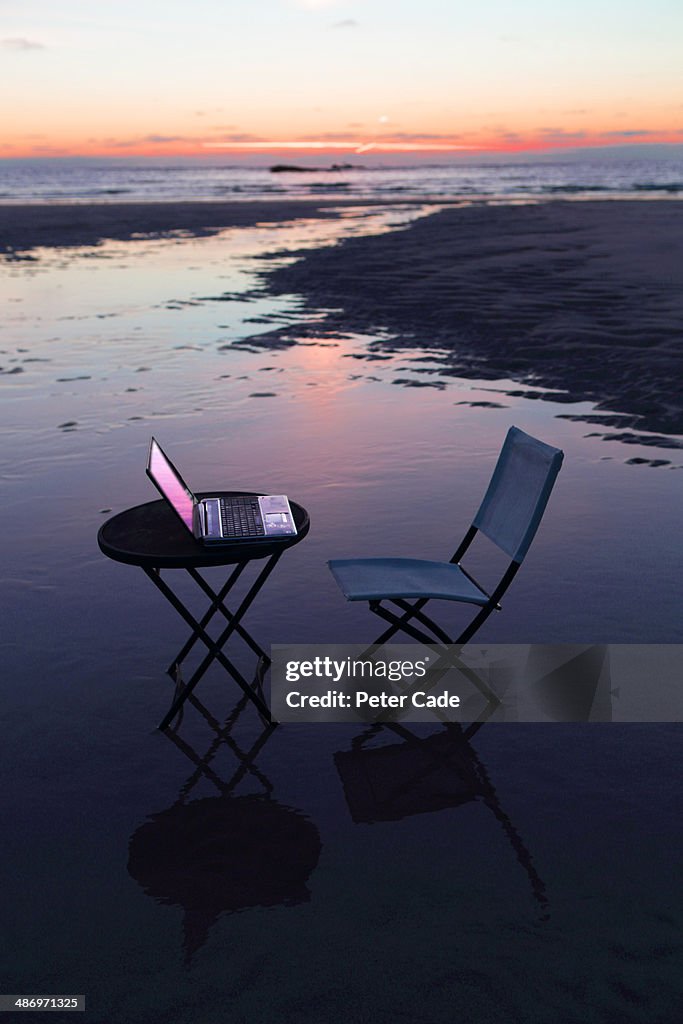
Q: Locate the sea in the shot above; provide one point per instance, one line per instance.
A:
(51, 181)
(226, 871)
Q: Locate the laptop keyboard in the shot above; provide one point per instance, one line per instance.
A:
(241, 517)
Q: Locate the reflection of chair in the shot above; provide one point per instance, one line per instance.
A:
(420, 775)
(221, 854)
(509, 515)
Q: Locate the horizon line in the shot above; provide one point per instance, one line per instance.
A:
(261, 148)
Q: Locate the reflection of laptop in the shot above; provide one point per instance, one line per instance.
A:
(220, 520)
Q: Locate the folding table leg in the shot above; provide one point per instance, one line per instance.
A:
(218, 645)
(214, 648)
(216, 603)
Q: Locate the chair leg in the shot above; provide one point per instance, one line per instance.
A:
(492, 605)
(450, 659)
(439, 633)
(387, 635)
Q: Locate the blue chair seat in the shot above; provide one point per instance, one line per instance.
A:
(373, 579)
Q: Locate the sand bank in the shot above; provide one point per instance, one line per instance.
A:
(586, 297)
(31, 226)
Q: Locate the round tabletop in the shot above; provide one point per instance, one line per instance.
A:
(153, 537)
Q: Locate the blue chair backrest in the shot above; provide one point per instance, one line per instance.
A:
(518, 493)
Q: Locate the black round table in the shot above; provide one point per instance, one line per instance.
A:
(152, 537)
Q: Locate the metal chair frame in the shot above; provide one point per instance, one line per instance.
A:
(513, 539)
(414, 611)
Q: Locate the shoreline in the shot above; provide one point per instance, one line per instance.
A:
(69, 224)
(28, 226)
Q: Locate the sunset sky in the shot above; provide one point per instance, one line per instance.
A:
(208, 77)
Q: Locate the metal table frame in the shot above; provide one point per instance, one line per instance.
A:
(153, 538)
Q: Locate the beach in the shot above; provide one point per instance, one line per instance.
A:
(585, 298)
(367, 360)
(416, 274)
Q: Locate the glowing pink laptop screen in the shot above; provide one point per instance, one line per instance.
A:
(169, 483)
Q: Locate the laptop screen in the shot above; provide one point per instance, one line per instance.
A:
(170, 483)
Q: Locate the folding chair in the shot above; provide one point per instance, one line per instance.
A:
(509, 515)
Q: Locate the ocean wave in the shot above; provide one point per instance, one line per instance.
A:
(46, 181)
(648, 186)
(575, 189)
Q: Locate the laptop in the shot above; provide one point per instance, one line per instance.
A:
(216, 520)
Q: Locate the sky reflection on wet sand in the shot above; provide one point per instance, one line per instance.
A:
(170, 337)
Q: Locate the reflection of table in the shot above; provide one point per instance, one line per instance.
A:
(152, 537)
(221, 854)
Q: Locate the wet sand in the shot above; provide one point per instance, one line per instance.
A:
(565, 877)
(27, 227)
(584, 297)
